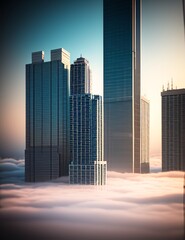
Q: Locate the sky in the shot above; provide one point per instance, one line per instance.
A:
(130, 206)
(77, 26)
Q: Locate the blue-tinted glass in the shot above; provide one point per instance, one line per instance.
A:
(121, 86)
(47, 121)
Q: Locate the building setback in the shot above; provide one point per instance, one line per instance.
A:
(145, 126)
(86, 136)
(47, 116)
(122, 21)
(173, 130)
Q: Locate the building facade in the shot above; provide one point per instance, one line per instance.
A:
(122, 27)
(47, 116)
(80, 77)
(86, 137)
(173, 130)
(145, 131)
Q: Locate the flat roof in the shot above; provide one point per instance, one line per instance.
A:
(173, 92)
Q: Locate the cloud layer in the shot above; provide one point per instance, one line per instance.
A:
(131, 206)
(11, 171)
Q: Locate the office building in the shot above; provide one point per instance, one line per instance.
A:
(122, 27)
(173, 130)
(47, 116)
(80, 76)
(145, 127)
(86, 137)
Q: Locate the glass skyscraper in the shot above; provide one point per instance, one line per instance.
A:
(86, 143)
(173, 130)
(122, 20)
(47, 116)
(145, 127)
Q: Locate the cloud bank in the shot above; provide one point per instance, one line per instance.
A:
(11, 171)
(131, 206)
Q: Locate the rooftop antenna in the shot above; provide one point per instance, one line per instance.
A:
(168, 85)
(172, 84)
(163, 88)
(80, 55)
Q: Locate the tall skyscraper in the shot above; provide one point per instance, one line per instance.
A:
(86, 137)
(47, 116)
(122, 27)
(173, 130)
(145, 127)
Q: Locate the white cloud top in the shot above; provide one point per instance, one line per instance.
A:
(131, 206)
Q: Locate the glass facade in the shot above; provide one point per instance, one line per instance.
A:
(80, 77)
(145, 125)
(86, 148)
(86, 140)
(173, 130)
(122, 84)
(47, 119)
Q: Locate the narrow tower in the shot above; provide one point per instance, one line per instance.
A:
(145, 133)
(122, 27)
(86, 146)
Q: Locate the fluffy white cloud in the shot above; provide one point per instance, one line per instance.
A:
(131, 206)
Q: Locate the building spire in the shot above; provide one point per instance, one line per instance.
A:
(163, 88)
(168, 86)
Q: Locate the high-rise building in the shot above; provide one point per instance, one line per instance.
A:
(122, 27)
(173, 130)
(86, 137)
(47, 116)
(80, 77)
(145, 127)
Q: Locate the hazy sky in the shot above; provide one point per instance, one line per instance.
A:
(77, 26)
(163, 57)
(130, 206)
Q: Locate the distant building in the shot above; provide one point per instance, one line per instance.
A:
(173, 130)
(122, 41)
(145, 126)
(80, 77)
(87, 164)
(47, 116)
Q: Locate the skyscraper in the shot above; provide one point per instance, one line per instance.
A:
(145, 126)
(80, 77)
(122, 20)
(47, 116)
(86, 146)
(173, 130)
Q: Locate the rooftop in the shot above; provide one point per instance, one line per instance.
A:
(173, 92)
